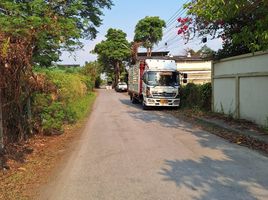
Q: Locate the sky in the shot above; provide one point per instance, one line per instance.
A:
(125, 14)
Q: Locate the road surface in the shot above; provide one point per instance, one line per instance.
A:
(126, 153)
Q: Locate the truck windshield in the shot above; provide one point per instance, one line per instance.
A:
(162, 79)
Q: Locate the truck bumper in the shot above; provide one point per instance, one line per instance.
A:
(162, 102)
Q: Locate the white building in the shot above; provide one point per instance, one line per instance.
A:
(197, 69)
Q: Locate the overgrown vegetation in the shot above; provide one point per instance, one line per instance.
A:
(67, 103)
(33, 33)
(148, 32)
(241, 24)
(196, 96)
(113, 51)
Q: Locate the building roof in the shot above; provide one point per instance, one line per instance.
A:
(156, 53)
(164, 56)
(185, 58)
(155, 57)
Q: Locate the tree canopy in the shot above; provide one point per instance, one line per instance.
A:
(51, 25)
(241, 24)
(149, 31)
(113, 50)
(203, 52)
(34, 31)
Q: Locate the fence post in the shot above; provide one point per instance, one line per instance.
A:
(237, 96)
(212, 86)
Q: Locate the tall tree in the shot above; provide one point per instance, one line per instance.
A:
(149, 31)
(190, 52)
(31, 31)
(51, 25)
(206, 52)
(93, 70)
(113, 50)
(241, 24)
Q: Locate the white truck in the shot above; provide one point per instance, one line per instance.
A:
(154, 82)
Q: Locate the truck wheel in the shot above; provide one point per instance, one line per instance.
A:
(133, 100)
(144, 107)
(177, 108)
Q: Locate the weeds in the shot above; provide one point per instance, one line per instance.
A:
(68, 104)
(196, 96)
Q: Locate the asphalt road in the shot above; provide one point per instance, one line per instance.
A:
(126, 153)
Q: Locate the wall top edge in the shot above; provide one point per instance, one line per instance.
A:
(258, 53)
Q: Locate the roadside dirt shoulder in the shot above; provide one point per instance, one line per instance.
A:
(36, 161)
(240, 132)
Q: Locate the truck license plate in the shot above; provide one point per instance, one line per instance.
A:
(163, 101)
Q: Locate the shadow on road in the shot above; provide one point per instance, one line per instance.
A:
(238, 173)
(217, 179)
(152, 115)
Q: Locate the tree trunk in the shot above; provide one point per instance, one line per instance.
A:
(117, 72)
(1, 123)
(148, 51)
(29, 114)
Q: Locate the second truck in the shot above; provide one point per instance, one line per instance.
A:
(154, 82)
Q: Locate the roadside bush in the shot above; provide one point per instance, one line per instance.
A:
(98, 82)
(196, 96)
(68, 104)
(53, 117)
(190, 95)
(205, 96)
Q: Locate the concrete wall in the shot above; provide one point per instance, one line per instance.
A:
(199, 72)
(240, 87)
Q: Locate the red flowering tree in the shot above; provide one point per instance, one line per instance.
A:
(241, 24)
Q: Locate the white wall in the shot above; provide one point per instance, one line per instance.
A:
(224, 96)
(254, 99)
(199, 72)
(193, 65)
(240, 87)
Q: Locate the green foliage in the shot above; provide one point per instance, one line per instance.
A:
(70, 103)
(206, 52)
(70, 86)
(190, 95)
(81, 107)
(196, 96)
(93, 70)
(113, 51)
(98, 82)
(206, 96)
(51, 24)
(53, 117)
(242, 24)
(149, 31)
(114, 48)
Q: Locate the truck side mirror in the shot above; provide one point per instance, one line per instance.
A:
(185, 76)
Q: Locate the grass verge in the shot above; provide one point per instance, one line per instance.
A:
(24, 177)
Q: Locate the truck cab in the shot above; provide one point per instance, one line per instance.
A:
(156, 83)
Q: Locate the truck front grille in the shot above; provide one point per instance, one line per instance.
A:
(164, 94)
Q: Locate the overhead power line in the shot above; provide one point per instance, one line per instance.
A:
(170, 34)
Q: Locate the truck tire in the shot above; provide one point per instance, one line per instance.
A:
(144, 107)
(177, 108)
(133, 100)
